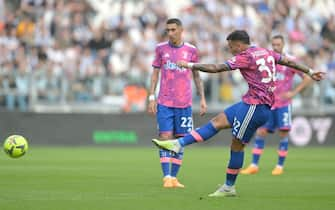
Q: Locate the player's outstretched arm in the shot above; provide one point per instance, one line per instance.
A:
(316, 75)
(210, 68)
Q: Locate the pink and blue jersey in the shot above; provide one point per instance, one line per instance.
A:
(176, 83)
(258, 67)
(284, 83)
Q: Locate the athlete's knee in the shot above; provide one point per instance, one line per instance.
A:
(220, 121)
(283, 133)
(237, 145)
(262, 132)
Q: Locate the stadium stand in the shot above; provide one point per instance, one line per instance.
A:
(88, 56)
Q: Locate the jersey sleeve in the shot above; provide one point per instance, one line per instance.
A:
(240, 61)
(158, 59)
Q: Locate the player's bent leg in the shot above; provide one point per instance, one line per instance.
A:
(245, 119)
(201, 134)
(220, 121)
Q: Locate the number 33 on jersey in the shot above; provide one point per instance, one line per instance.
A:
(261, 85)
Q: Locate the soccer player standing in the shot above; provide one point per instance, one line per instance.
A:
(257, 66)
(173, 107)
(280, 117)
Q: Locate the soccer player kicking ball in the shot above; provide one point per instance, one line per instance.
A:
(257, 66)
(173, 108)
(280, 117)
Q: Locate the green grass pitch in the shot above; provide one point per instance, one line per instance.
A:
(93, 178)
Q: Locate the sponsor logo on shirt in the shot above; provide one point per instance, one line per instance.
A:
(173, 66)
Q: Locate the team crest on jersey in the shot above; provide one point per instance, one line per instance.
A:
(166, 55)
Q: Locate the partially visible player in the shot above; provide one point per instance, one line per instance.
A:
(257, 66)
(280, 117)
(174, 102)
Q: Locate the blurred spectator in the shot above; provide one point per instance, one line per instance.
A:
(8, 84)
(327, 33)
(48, 84)
(25, 29)
(16, 85)
(22, 83)
(96, 73)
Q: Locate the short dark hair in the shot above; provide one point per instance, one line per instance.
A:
(279, 36)
(239, 35)
(174, 21)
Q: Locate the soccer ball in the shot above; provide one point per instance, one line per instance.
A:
(15, 146)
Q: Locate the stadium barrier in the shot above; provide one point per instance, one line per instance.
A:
(138, 129)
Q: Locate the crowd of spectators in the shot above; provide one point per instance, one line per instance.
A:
(58, 51)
